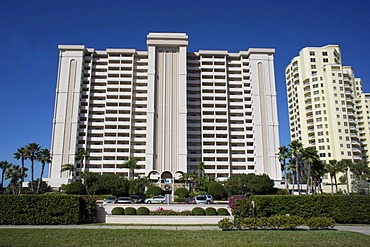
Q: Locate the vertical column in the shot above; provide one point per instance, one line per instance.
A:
(182, 106)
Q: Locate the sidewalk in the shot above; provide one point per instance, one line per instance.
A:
(360, 229)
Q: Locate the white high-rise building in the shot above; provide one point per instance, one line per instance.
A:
(327, 108)
(167, 107)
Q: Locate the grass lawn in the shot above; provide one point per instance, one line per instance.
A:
(129, 237)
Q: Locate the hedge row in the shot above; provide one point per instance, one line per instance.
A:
(145, 211)
(46, 209)
(343, 209)
(277, 222)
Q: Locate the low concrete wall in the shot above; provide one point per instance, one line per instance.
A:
(104, 214)
(163, 220)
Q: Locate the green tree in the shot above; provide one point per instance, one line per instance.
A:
(283, 156)
(14, 174)
(333, 168)
(296, 149)
(360, 170)
(80, 156)
(21, 154)
(33, 150)
(188, 180)
(139, 185)
(153, 191)
(4, 165)
(310, 155)
(217, 190)
(201, 169)
(69, 168)
(318, 170)
(131, 164)
(44, 158)
(345, 166)
(43, 186)
(242, 184)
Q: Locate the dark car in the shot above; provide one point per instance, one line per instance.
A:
(191, 200)
(138, 198)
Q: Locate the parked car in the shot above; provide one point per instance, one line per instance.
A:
(209, 198)
(156, 199)
(201, 199)
(191, 200)
(137, 199)
(124, 200)
(110, 199)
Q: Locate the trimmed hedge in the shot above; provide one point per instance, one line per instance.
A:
(46, 210)
(317, 223)
(198, 211)
(223, 212)
(142, 211)
(211, 211)
(118, 211)
(342, 208)
(130, 211)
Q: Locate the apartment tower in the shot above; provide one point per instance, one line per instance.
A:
(167, 107)
(327, 108)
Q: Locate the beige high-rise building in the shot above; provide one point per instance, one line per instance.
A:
(169, 108)
(327, 108)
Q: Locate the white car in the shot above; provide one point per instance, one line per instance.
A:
(156, 199)
(209, 198)
(110, 199)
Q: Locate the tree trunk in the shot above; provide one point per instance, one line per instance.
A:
(286, 177)
(336, 183)
(32, 172)
(332, 187)
(22, 175)
(298, 180)
(40, 180)
(2, 178)
(347, 180)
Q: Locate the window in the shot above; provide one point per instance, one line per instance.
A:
(325, 60)
(313, 66)
(324, 53)
(312, 53)
(313, 60)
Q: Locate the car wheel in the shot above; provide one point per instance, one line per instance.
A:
(208, 202)
(149, 202)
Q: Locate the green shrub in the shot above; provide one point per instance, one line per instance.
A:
(118, 211)
(130, 211)
(181, 199)
(225, 223)
(217, 190)
(241, 206)
(342, 208)
(182, 192)
(223, 212)
(153, 191)
(142, 211)
(285, 222)
(316, 223)
(198, 211)
(75, 188)
(251, 223)
(211, 211)
(46, 209)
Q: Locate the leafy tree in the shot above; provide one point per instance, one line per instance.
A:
(283, 156)
(317, 172)
(360, 170)
(4, 165)
(153, 191)
(21, 154)
(68, 168)
(188, 180)
(296, 149)
(182, 192)
(333, 168)
(242, 184)
(201, 169)
(361, 187)
(217, 190)
(32, 150)
(75, 188)
(80, 157)
(42, 186)
(45, 158)
(139, 185)
(90, 181)
(131, 164)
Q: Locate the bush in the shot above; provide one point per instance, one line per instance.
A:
(142, 211)
(225, 223)
(153, 191)
(46, 210)
(211, 211)
(342, 208)
(217, 190)
(130, 211)
(118, 211)
(223, 212)
(75, 188)
(182, 192)
(241, 206)
(181, 199)
(198, 211)
(285, 222)
(316, 223)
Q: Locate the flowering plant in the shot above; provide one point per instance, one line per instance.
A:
(241, 206)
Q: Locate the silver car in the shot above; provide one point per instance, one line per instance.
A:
(110, 199)
(124, 200)
(156, 199)
(201, 200)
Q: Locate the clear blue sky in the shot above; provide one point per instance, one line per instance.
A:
(30, 32)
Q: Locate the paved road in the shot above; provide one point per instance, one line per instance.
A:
(360, 229)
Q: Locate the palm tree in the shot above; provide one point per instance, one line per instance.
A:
(32, 150)
(4, 165)
(186, 177)
(21, 154)
(317, 172)
(80, 156)
(360, 170)
(296, 149)
(310, 155)
(131, 164)
(331, 168)
(45, 158)
(345, 166)
(200, 169)
(69, 168)
(14, 174)
(283, 155)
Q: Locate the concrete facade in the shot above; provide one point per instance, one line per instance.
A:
(169, 108)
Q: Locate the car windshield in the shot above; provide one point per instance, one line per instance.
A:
(201, 198)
